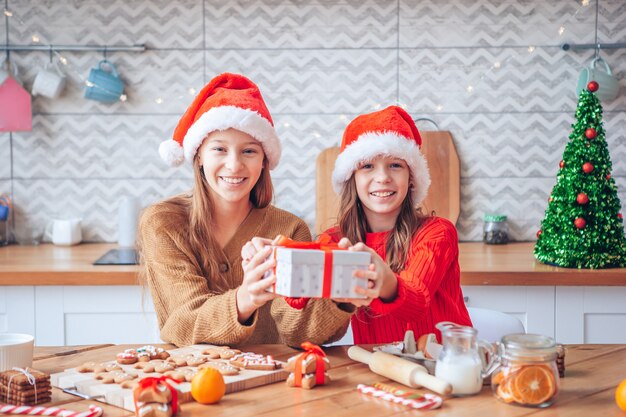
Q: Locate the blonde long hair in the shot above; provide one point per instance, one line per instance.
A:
(353, 225)
(197, 209)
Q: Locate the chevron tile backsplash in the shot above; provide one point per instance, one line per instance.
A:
(318, 64)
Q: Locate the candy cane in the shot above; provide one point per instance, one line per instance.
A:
(94, 411)
(426, 401)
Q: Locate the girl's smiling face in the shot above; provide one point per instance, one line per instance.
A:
(382, 184)
(232, 162)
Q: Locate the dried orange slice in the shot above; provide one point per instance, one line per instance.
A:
(533, 385)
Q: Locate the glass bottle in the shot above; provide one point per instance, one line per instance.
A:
(495, 229)
(528, 374)
(461, 361)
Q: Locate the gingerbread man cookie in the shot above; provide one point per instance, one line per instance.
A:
(249, 360)
(223, 367)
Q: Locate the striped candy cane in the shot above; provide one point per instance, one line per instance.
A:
(94, 411)
(424, 402)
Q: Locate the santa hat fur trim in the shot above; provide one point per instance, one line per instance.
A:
(372, 144)
(231, 117)
(228, 101)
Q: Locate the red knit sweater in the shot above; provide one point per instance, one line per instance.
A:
(429, 288)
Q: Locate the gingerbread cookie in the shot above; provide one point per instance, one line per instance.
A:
(106, 367)
(308, 380)
(86, 367)
(182, 374)
(130, 384)
(249, 360)
(154, 352)
(164, 367)
(115, 377)
(214, 352)
(223, 367)
(128, 357)
(146, 367)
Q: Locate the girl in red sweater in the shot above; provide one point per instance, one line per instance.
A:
(382, 176)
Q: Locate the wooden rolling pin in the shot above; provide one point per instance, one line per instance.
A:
(400, 370)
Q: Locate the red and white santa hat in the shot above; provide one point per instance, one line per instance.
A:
(227, 101)
(388, 132)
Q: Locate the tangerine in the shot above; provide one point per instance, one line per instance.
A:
(620, 395)
(207, 386)
(533, 385)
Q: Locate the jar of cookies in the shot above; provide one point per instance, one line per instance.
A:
(528, 373)
(495, 229)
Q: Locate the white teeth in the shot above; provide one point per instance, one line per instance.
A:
(233, 180)
(382, 194)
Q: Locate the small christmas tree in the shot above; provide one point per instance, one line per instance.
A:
(583, 226)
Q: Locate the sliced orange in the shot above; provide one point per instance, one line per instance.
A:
(533, 385)
(503, 393)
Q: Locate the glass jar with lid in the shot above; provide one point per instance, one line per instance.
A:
(528, 373)
(495, 229)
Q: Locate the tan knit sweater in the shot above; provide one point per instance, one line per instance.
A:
(192, 308)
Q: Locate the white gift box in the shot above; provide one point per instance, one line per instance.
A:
(300, 272)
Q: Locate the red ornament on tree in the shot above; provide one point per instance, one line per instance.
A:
(619, 215)
(582, 198)
(580, 223)
(539, 232)
(587, 167)
(608, 176)
(593, 86)
(550, 199)
(590, 133)
(562, 164)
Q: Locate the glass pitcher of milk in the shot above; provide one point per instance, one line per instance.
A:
(464, 360)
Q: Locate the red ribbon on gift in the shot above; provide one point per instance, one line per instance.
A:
(310, 349)
(325, 244)
(153, 382)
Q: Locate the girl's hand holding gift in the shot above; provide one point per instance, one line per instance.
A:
(382, 282)
(253, 294)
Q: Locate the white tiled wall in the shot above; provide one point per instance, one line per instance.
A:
(318, 64)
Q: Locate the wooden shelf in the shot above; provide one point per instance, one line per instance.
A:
(511, 264)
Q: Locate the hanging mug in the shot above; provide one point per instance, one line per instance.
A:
(608, 84)
(104, 83)
(49, 81)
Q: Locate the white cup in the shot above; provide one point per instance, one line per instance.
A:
(16, 350)
(608, 84)
(64, 232)
(49, 81)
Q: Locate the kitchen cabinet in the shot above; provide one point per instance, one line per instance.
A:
(533, 305)
(79, 315)
(591, 314)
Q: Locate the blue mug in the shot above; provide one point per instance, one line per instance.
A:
(104, 84)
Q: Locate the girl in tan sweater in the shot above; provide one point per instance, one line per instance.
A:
(190, 244)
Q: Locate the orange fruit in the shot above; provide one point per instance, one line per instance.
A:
(207, 386)
(533, 385)
(620, 395)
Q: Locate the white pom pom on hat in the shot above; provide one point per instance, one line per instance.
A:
(228, 101)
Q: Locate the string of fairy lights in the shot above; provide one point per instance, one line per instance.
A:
(470, 88)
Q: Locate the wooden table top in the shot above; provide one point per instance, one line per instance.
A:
(511, 264)
(592, 374)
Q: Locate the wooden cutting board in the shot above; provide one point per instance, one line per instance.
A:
(114, 394)
(444, 194)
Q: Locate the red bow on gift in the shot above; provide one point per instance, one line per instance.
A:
(310, 349)
(153, 382)
(325, 244)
